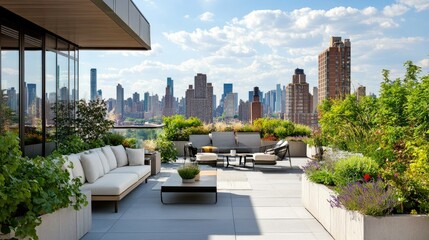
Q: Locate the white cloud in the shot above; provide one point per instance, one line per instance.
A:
(206, 17)
(395, 10)
(424, 62)
(186, 16)
(419, 5)
(156, 49)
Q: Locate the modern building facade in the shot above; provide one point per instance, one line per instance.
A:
(120, 104)
(39, 47)
(168, 99)
(256, 106)
(244, 111)
(299, 101)
(361, 92)
(335, 70)
(199, 100)
(93, 86)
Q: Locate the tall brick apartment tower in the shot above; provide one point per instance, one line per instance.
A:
(334, 69)
(299, 101)
(199, 101)
(256, 106)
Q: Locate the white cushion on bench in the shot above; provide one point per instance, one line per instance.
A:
(77, 171)
(139, 170)
(110, 157)
(206, 156)
(92, 166)
(264, 157)
(111, 184)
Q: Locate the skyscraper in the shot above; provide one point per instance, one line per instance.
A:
(119, 111)
(199, 101)
(93, 83)
(168, 99)
(146, 102)
(299, 100)
(99, 94)
(229, 106)
(170, 85)
(227, 88)
(256, 106)
(31, 94)
(136, 97)
(361, 92)
(278, 103)
(244, 111)
(334, 70)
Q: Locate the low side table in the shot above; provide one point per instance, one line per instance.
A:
(206, 184)
(154, 159)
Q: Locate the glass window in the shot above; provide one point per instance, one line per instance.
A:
(51, 92)
(9, 76)
(33, 132)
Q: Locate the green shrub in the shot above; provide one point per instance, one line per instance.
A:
(113, 139)
(166, 148)
(322, 176)
(353, 169)
(301, 130)
(188, 171)
(130, 143)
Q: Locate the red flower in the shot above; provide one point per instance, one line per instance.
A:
(367, 177)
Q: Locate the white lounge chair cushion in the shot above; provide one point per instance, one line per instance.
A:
(140, 171)
(111, 184)
(92, 166)
(110, 157)
(120, 154)
(77, 171)
(264, 157)
(206, 156)
(135, 156)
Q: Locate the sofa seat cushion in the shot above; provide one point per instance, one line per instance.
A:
(111, 184)
(139, 170)
(206, 157)
(264, 157)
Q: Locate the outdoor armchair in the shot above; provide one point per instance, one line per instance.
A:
(271, 156)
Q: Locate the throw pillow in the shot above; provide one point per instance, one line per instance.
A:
(120, 154)
(77, 170)
(92, 166)
(110, 157)
(135, 156)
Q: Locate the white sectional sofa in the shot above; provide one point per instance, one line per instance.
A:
(110, 172)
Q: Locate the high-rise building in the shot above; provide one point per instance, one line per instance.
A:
(244, 111)
(299, 101)
(278, 103)
(334, 70)
(227, 88)
(93, 83)
(119, 111)
(361, 92)
(250, 96)
(146, 102)
(136, 97)
(199, 100)
(256, 106)
(170, 85)
(100, 94)
(31, 94)
(168, 99)
(315, 99)
(229, 106)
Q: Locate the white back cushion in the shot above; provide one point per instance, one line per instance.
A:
(92, 166)
(110, 157)
(135, 156)
(103, 159)
(120, 154)
(77, 170)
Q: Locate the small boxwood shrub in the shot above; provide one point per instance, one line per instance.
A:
(354, 169)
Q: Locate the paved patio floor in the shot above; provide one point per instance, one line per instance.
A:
(271, 210)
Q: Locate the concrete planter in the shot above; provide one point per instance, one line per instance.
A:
(179, 145)
(351, 225)
(298, 148)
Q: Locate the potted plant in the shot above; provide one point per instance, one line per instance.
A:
(188, 172)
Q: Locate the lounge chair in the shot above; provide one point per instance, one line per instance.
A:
(271, 156)
(248, 142)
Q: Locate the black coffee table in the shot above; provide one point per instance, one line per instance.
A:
(206, 184)
(237, 155)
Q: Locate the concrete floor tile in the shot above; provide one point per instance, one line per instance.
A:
(102, 225)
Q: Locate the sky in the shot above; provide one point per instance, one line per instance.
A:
(260, 43)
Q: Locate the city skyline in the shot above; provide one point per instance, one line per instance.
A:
(260, 43)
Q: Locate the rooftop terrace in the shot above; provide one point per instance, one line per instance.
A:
(264, 203)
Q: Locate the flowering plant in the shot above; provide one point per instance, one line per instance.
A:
(371, 198)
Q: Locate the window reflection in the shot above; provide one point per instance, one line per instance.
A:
(9, 76)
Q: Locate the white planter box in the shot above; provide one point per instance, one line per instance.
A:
(311, 151)
(66, 223)
(351, 225)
